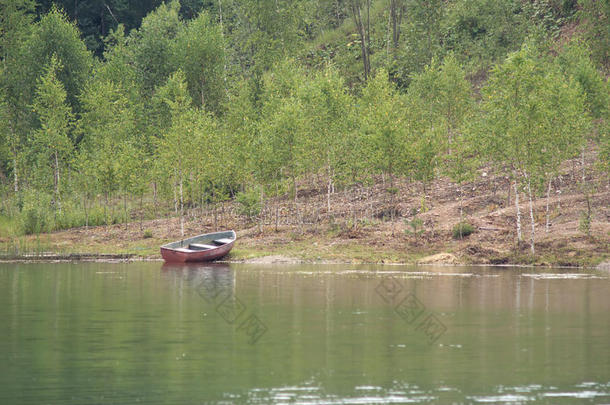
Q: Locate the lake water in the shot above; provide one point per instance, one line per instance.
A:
(103, 333)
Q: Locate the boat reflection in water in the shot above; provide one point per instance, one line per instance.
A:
(209, 279)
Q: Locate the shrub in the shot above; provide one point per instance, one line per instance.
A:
(36, 216)
(147, 234)
(584, 223)
(249, 203)
(416, 225)
(462, 229)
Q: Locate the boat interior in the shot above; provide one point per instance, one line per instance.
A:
(203, 242)
(214, 244)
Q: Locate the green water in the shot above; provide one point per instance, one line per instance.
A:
(146, 333)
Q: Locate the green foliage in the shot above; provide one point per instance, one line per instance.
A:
(575, 62)
(153, 47)
(584, 222)
(249, 203)
(533, 118)
(385, 126)
(51, 143)
(267, 95)
(199, 50)
(415, 227)
(482, 32)
(9, 226)
(55, 36)
(35, 216)
(147, 234)
(595, 15)
(462, 230)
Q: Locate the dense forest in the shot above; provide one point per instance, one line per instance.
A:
(110, 107)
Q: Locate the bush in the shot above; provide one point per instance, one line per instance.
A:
(416, 225)
(147, 234)
(36, 215)
(462, 229)
(249, 203)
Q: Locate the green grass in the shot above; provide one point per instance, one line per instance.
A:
(9, 227)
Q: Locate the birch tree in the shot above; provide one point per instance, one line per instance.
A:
(177, 142)
(360, 12)
(385, 127)
(329, 120)
(533, 119)
(51, 142)
(199, 50)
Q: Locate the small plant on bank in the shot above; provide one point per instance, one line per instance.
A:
(462, 229)
(248, 203)
(584, 223)
(586, 216)
(416, 226)
(147, 234)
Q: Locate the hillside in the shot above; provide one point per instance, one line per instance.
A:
(359, 230)
(344, 130)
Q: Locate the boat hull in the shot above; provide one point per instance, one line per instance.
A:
(175, 253)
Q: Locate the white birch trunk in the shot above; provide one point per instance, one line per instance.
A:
(175, 199)
(519, 238)
(329, 189)
(57, 199)
(533, 224)
(548, 217)
(461, 208)
(582, 162)
(262, 211)
(181, 208)
(224, 50)
(15, 176)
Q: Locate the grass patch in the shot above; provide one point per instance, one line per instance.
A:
(462, 230)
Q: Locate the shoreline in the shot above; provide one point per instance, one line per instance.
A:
(266, 260)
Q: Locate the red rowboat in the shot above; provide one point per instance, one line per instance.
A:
(201, 248)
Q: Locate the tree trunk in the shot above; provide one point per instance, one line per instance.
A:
(392, 202)
(296, 195)
(141, 210)
(519, 238)
(368, 28)
(559, 193)
(57, 201)
(357, 17)
(125, 208)
(396, 11)
(582, 162)
(86, 211)
(260, 215)
(224, 51)
(532, 222)
(277, 207)
(15, 176)
(14, 147)
(328, 189)
(508, 194)
(461, 209)
(106, 207)
(181, 207)
(155, 198)
(175, 199)
(548, 217)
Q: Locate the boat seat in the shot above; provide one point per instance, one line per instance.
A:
(201, 246)
(223, 241)
(185, 250)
